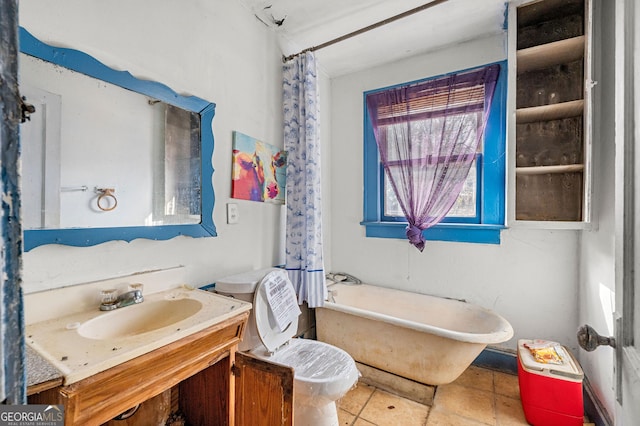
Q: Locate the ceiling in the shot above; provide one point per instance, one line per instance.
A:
(301, 24)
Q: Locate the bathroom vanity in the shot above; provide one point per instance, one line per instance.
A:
(201, 377)
(207, 355)
(166, 370)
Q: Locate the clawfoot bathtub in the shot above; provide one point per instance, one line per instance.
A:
(427, 339)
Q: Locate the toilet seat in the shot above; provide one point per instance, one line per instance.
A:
(322, 372)
(313, 360)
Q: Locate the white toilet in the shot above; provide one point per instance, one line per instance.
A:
(322, 373)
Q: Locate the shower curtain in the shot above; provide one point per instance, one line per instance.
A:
(304, 260)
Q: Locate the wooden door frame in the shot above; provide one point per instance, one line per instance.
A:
(11, 309)
(627, 359)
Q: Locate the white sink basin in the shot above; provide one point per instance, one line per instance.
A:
(139, 319)
(83, 344)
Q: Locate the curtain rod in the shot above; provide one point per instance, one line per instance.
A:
(365, 29)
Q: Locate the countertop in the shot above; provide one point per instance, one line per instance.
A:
(41, 375)
(83, 344)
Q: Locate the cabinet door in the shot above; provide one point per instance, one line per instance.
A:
(264, 392)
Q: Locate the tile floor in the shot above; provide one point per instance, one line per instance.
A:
(478, 397)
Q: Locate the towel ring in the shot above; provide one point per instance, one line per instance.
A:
(105, 194)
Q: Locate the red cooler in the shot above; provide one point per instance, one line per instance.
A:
(551, 393)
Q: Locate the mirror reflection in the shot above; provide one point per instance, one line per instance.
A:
(88, 136)
(105, 151)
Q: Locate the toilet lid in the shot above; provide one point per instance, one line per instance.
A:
(269, 331)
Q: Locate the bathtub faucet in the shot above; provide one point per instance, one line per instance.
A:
(343, 277)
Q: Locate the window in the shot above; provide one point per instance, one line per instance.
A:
(478, 214)
(465, 209)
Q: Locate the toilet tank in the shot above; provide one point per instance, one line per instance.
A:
(243, 286)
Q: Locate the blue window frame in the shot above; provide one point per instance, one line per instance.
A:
(490, 169)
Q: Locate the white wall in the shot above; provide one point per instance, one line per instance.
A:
(531, 278)
(215, 50)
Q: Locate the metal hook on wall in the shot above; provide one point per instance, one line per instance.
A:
(103, 201)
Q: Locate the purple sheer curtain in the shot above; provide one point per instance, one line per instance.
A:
(427, 135)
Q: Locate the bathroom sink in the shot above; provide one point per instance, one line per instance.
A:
(85, 343)
(139, 319)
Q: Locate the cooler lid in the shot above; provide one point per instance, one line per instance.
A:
(243, 283)
(276, 310)
(555, 360)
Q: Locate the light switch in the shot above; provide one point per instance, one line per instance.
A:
(232, 213)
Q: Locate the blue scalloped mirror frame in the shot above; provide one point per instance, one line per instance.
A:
(85, 64)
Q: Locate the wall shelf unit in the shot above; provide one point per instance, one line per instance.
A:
(551, 49)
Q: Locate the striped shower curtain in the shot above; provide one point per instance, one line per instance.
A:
(304, 261)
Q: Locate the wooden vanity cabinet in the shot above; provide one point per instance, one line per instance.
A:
(101, 397)
(215, 385)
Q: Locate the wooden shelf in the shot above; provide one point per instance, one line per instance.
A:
(543, 170)
(550, 112)
(537, 12)
(546, 55)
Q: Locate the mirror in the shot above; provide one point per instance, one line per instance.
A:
(107, 156)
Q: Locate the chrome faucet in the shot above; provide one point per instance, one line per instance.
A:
(125, 299)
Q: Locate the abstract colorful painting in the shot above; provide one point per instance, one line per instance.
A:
(258, 170)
